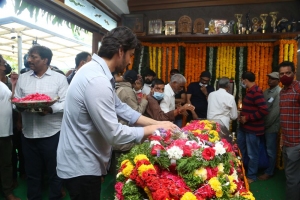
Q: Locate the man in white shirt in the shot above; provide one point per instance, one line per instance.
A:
(149, 76)
(41, 130)
(221, 104)
(6, 131)
(175, 85)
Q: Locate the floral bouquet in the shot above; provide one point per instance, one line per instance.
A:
(190, 164)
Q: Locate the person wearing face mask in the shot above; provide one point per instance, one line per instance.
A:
(155, 97)
(149, 77)
(197, 94)
(290, 125)
(126, 92)
(251, 124)
(221, 104)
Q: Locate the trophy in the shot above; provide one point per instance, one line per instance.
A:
(255, 25)
(273, 22)
(239, 19)
(264, 23)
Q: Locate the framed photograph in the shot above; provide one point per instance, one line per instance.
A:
(170, 28)
(134, 22)
(154, 27)
(219, 23)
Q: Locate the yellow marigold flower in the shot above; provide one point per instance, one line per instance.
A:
(220, 168)
(188, 196)
(215, 184)
(233, 186)
(128, 169)
(124, 161)
(197, 131)
(144, 168)
(201, 172)
(148, 192)
(140, 157)
(213, 136)
(248, 195)
(219, 193)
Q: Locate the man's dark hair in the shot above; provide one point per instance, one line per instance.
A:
(287, 64)
(174, 71)
(120, 37)
(250, 76)
(157, 81)
(149, 72)
(43, 51)
(81, 56)
(205, 74)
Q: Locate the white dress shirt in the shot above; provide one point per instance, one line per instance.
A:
(168, 102)
(5, 111)
(222, 106)
(52, 84)
(90, 124)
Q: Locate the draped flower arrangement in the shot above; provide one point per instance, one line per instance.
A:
(191, 164)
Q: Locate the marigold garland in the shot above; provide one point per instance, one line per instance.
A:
(159, 63)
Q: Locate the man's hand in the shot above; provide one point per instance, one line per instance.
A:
(45, 111)
(243, 119)
(204, 90)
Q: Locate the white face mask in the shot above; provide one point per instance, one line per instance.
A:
(201, 84)
(139, 91)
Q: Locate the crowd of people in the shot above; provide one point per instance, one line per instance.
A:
(100, 113)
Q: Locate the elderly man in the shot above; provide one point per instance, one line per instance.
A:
(221, 104)
(41, 130)
(290, 125)
(175, 85)
(154, 110)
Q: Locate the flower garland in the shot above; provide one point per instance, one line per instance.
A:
(164, 63)
(141, 60)
(190, 164)
(150, 58)
(210, 61)
(170, 49)
(159, 63)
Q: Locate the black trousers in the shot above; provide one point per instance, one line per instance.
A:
(84, 187)
(40, 152)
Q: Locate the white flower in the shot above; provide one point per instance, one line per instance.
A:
(157, 132)
(234, 175)
(220, 150)
(119, 174)
(154, 142)
(175, 153)
(128, 181)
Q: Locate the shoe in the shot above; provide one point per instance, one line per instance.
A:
(264, 177)
(250, 180)
(12, 197)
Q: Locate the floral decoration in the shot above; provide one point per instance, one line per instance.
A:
(194, 163)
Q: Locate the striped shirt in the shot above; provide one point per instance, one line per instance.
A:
(52, 84)
(254, 109)
(290, 114)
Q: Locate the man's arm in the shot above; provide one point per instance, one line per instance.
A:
(188, 98)
(164, 104)
(62, 91)
(233, 112)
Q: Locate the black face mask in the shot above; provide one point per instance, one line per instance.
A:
(147, 81)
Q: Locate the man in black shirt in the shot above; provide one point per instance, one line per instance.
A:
(197, 94)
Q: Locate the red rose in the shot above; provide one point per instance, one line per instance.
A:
(205, 192)
(226, 145)
(154, 137)
(208, 153)
(211, 172)
(187, 151)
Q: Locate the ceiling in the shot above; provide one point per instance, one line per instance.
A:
(63, 48)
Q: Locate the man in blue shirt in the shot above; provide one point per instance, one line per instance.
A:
(197, 94)
(90, 126)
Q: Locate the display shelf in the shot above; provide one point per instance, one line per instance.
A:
(205, 38)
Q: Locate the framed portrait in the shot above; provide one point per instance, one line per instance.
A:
(219, 23)
(154, 27)
(170, 28)
(134, 22)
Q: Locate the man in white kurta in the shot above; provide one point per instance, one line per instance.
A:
(221, 104)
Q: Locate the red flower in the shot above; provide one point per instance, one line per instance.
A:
(156, 148)
(226, 145)
(205, 192)
(208, 153)
(154, 137)
(161, 194)
(203, 137)
(187, 151)
(211, 172)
